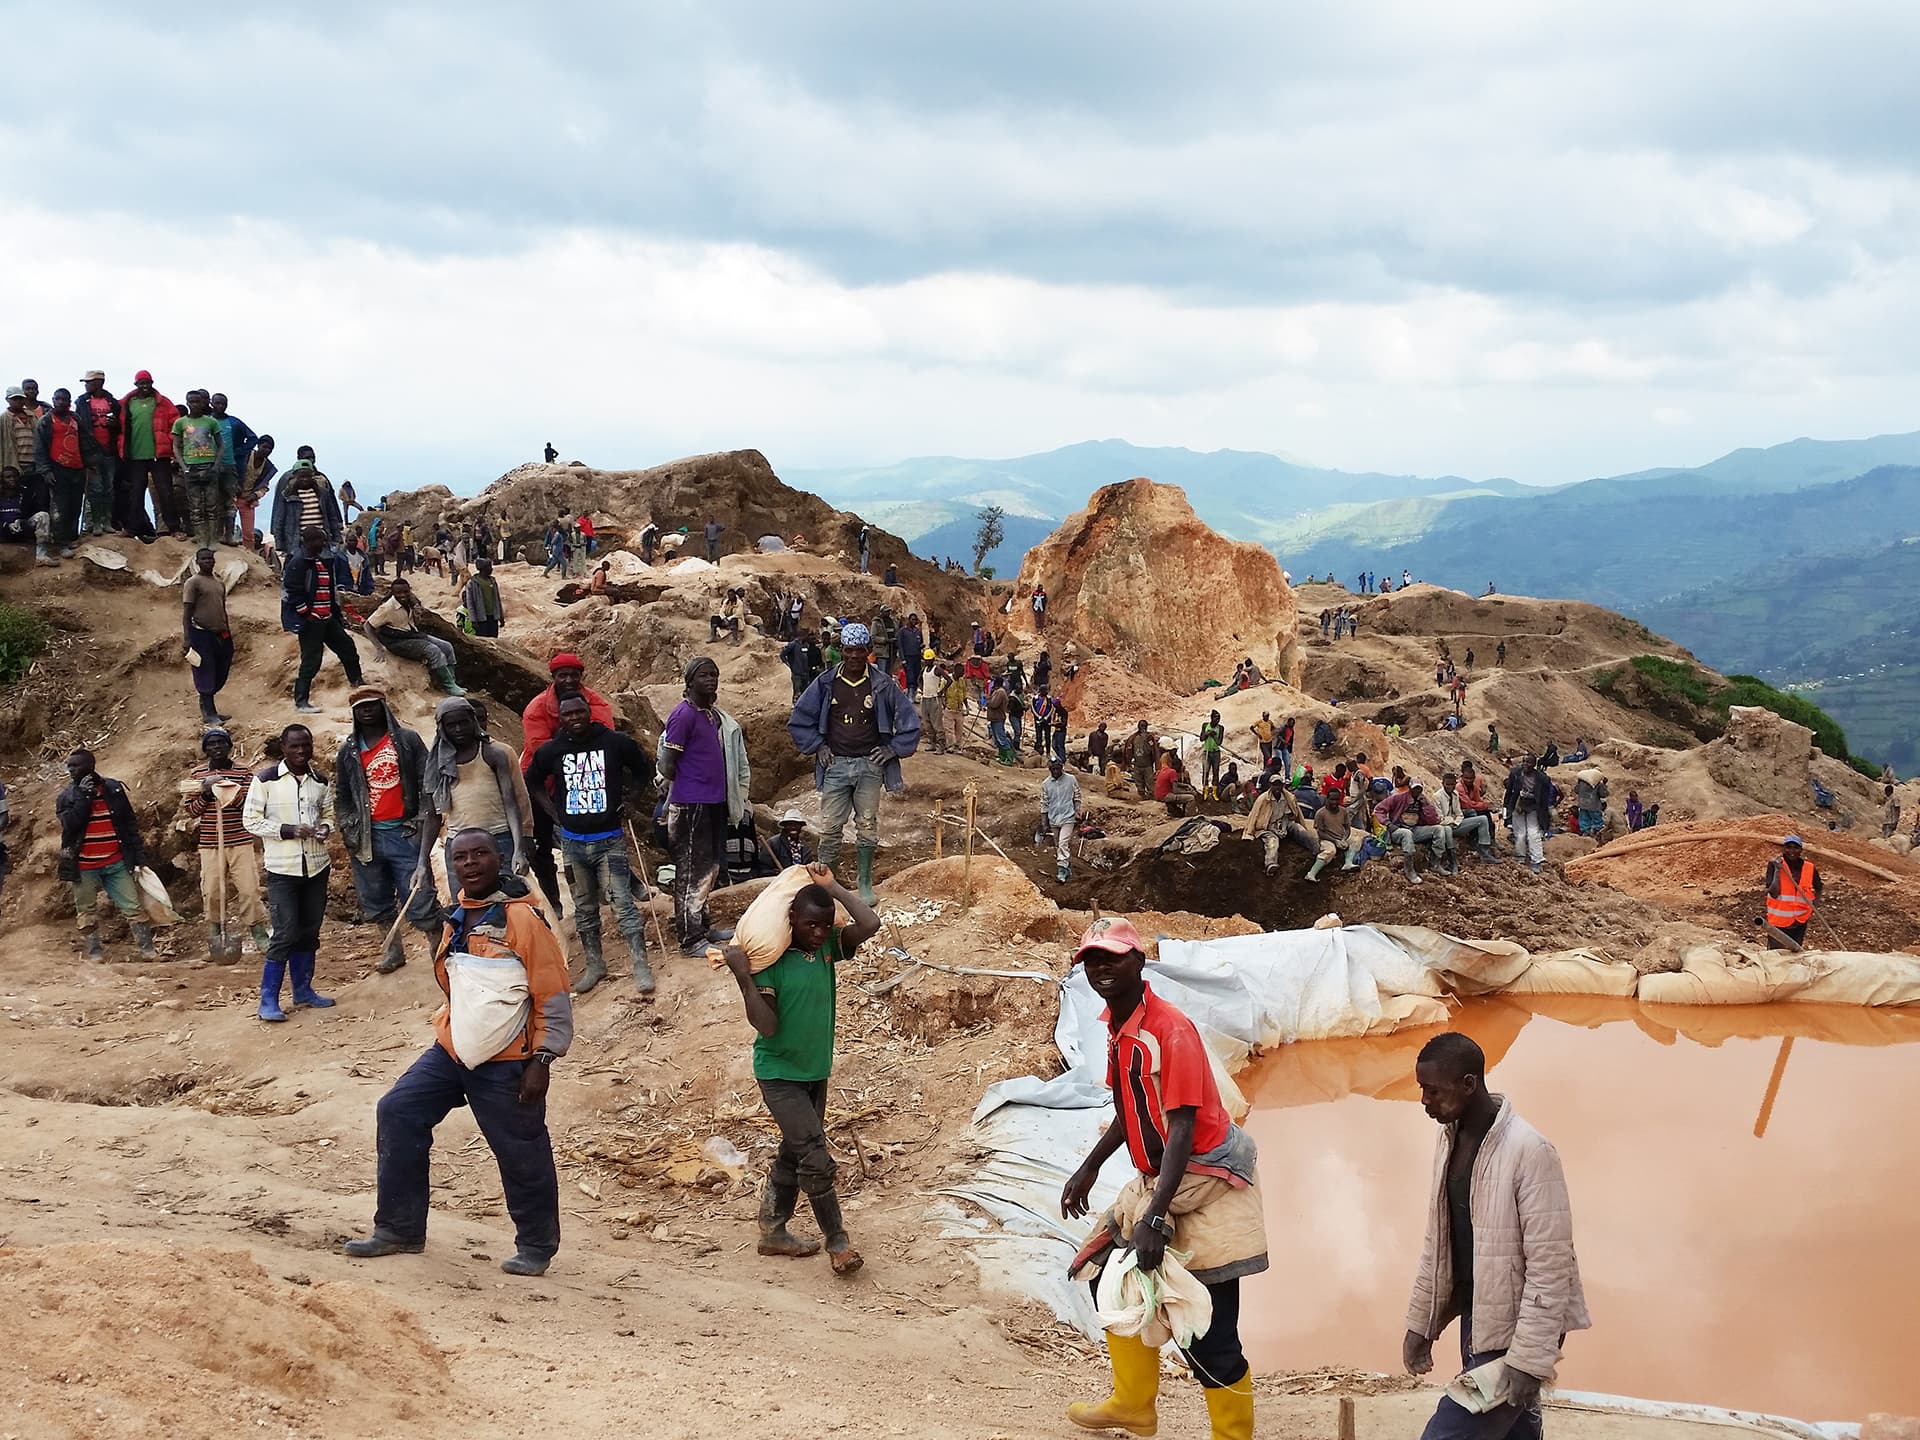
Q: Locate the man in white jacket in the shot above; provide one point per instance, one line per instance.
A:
(289, 807)
(1499, 1248)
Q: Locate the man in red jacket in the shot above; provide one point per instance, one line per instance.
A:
(146, 444)
(539, 723)
(99, 416)
(56, 453)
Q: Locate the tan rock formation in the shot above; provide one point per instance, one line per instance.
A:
(1138, 577)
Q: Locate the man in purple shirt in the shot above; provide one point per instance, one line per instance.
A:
(694, 767)
(1411, 820)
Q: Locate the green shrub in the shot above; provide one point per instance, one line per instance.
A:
(1865, 766)
(1605, 680)
(1828, 737)
(23, 635)
(1675, 676)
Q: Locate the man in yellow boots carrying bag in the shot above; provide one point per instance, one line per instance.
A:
(1196, 1191)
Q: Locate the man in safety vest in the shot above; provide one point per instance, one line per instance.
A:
(1792, 887)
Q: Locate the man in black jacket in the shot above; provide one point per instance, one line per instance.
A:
(99, 850)
(1529, 810)
(317, 587)
(379, 801)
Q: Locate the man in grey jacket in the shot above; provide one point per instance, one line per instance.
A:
(380, 799)
(1498, 1253)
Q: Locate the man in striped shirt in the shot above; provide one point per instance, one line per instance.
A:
(316, 586)
(99, 850)
(229, 867)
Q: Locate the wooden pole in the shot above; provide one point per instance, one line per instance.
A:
(966, 867)
(937, 829)
(1773, 1088)
(1346, 1417)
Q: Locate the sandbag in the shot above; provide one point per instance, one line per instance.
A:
(1158, 1306)
(488, 1004)
(763, 931)
(153, 898)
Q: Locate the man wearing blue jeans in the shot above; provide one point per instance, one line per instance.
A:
(379, 799)
(858, 725)
(1498, 1253)
(589, 763)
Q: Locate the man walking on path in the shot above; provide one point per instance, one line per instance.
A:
(317, 584)
(858, 726)
(289, 807)
(791, 1006)
(588, 763)
(206, 634)
(1498, 1252)
(146, 438)
(1529, 803)
(494, 922)
(1060, 807)
(693, 763)
(1196, 1190)
(99, 414)
(229, 866)
(100, 848)
(1793, 885)
(380, 775)
(539, 723)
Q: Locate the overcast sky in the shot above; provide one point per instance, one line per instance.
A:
(1545, 241)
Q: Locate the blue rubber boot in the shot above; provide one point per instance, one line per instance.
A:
(303, 991)
(271, 974)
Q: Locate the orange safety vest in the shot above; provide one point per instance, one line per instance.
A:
(1794, 904)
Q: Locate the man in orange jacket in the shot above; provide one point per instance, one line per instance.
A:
(1792, 886)
(494, 917)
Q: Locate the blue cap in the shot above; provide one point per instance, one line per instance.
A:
(1791, 840)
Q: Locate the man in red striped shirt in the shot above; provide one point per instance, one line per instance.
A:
(317, 585)
(99, 850)
(229, 866)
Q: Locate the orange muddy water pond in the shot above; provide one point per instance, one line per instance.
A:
(1778, 1272)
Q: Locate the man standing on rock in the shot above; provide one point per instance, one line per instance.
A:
(381, 778)
(858, 726)
(588, 762)
(1499, 1248)
(912, 642)
(494, 922)
(693, 764)
(1529, 810)
(289, 807)
(200, 446)
(1195, 1190)
(713, 532)
(1889, 814)
(1213, 737)
(539, 723)
(865, 553)
(59, 456)
(229, 868)
(1793, 885)
(100, 848)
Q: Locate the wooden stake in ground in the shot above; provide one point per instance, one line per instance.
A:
(1346, 1417)
(966, 866)
(937, 829)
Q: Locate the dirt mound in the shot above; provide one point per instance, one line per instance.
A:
(1103, 689)
(138, 1340)
(1138, 577)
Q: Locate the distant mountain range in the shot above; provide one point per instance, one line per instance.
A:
(1778, 561)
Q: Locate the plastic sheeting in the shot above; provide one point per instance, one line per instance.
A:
(1269, 990)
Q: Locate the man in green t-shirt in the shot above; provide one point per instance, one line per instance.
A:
(1213, 737)
(791, 1005)
(198, 447)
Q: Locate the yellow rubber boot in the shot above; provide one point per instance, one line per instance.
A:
(1231, 1410)
(1136, 1384)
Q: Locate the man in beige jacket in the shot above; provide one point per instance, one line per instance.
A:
(1499, 1248)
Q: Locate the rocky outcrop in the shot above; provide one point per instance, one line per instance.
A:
(1137, 576)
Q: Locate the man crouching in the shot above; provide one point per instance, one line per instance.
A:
(493, 920)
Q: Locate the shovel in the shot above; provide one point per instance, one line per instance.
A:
(227, 947)
(1778, 934)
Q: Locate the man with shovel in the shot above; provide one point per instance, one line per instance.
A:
(1792, 886)
(216, 797)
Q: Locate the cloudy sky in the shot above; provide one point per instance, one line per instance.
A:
(1546, 241)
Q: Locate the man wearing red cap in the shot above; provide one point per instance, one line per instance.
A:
(539, 723)
(1196, 1189)
(146, 444)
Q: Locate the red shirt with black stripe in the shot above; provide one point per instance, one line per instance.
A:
(1157, 1063)
(100, 846)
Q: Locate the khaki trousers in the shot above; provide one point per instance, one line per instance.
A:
(244, 907)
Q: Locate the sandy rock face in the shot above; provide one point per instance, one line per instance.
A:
(1137, 576)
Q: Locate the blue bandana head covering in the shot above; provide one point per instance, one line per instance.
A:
(855, 634)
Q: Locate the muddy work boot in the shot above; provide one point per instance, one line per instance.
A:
(866, 873)
(595, 969)
(524, 1262)
(143, 938)
(396, 955)
(642, 971)
(377, 1245)
(1313, 870)
(93, 950)
(777, 1204)
(1412, 879)
(840, 1252)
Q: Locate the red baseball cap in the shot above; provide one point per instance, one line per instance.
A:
(140, 375)
(1113, 933)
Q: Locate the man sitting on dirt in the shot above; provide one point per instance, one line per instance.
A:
(380, 798)
(1333, 832)
(790, 846)
(1411, 819)
(1499, 1247)
(1793, 885)
(791, 1005)
(494, 919)
(1060, 807)
(229, 866)
(858, 725)
(100, 848)
(396, 625)
(1469, 826)
(539, 723)
(1276, 816)
(1196, 1190)
(726, 621)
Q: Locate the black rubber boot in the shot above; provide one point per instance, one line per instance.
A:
(777, 1204)
(840, 1252)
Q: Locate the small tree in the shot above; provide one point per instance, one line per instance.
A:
(987, 538)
